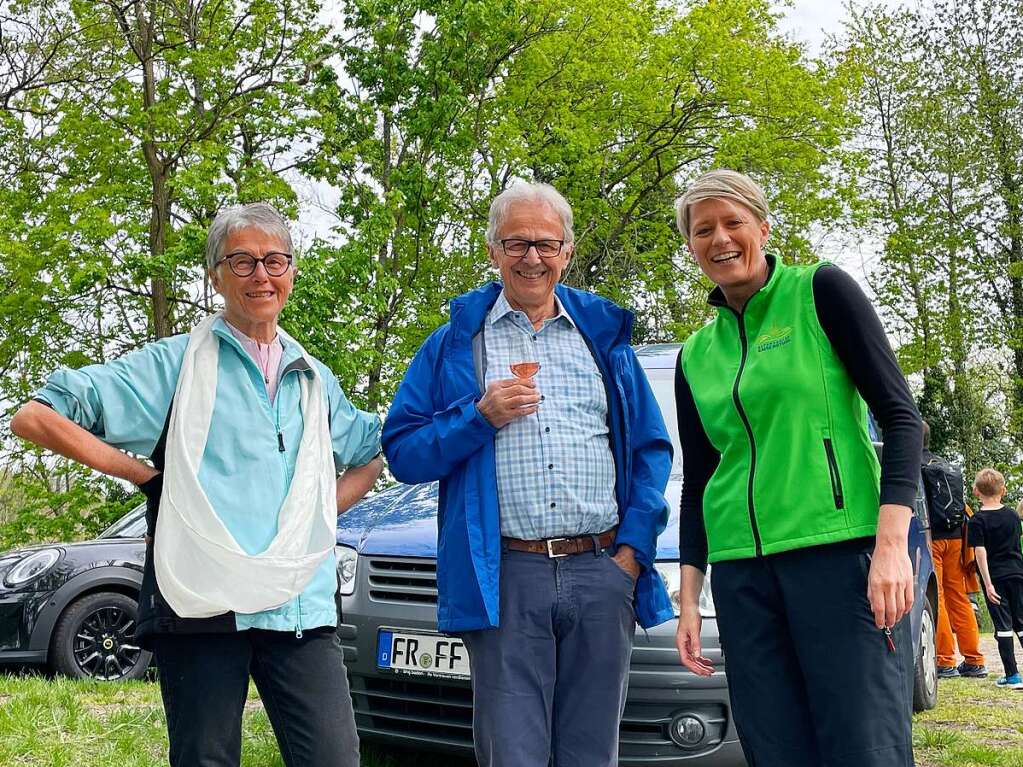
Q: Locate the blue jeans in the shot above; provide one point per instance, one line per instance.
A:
(549, 684)
(204, 679)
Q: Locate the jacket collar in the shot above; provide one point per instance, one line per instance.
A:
(600, 321)
(502, 308)
(291, 358)
(716, 297)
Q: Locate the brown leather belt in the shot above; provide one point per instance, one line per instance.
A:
(560, 547)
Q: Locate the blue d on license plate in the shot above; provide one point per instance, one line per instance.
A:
(430, 654)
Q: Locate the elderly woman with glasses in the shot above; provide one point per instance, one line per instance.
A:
(255, 450)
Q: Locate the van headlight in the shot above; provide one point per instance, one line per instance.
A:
(347, 560)
(671, 574)
(32, 566)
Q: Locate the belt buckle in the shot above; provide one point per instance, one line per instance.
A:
(550, 551)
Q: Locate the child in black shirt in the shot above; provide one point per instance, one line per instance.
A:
(995, 532)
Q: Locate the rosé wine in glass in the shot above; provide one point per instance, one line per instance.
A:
(525, 370)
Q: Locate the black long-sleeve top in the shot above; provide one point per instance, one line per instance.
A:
(855, 333)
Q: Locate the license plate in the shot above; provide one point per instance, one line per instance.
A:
(427, 654)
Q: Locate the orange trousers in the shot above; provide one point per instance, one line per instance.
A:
(955, 613)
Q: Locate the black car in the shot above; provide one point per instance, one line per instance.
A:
(73, 606)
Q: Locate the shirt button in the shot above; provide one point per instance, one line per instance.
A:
(547, 428)
(553, 505)
(550, 466)
(542, 398)
(534, 338)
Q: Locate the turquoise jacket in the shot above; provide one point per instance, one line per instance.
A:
(244, 472)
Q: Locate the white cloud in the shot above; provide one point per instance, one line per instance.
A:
(809, 21)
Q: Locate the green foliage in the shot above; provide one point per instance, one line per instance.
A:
(618, 104)
(66, 504)
(147, 119)
(942, 143)
(126, 129)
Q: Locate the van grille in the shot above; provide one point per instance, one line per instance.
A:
(413, 709)
(403, 581)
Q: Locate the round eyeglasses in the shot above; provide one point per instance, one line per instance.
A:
(243, 265)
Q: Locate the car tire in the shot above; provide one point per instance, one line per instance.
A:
(95, 639)
(925, 676)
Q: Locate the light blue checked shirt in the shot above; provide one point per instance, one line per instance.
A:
(555, 469)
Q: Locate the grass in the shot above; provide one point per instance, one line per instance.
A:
(55, 722)
(975, 724)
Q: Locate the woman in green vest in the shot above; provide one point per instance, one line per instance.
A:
(783, 493)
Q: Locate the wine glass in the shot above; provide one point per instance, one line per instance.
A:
(528, 367)
(524, 370)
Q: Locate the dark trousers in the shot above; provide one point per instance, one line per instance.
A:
(549, 685)
(1007, 617)
(811, 679)
(204, 679)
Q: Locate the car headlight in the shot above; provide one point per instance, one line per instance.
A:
(32, 566)
(347, 560)
(671, 574)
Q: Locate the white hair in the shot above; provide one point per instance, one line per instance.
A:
(524, 191)
(255, 215)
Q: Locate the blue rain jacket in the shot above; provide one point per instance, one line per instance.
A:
(434, 431)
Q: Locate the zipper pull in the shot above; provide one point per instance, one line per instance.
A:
(280, 442)
(298, 633)
(888, 639)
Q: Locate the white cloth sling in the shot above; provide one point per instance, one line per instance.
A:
(200, 568)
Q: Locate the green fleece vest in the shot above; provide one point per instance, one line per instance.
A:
(797, 465)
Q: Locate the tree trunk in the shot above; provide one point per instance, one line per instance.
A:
(159, 214)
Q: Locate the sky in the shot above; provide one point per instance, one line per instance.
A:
(808, 21)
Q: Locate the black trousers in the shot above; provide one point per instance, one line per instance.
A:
(1007, 617)
(204, 679)
(812, 681)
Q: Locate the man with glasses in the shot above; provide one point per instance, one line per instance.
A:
(532, 411)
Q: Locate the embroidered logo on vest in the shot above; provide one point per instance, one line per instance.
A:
(773, 338)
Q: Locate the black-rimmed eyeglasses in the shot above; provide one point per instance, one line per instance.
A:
(243, 264)
(516, 248)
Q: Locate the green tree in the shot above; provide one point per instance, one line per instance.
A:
(938, 207)
(125, 127)
(616, 103)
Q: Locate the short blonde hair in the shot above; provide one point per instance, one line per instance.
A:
(1019, 509)
(724, 184)
(989, 482)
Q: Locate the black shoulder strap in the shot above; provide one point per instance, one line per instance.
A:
(157, 456)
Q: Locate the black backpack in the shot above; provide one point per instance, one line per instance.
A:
(943, 488)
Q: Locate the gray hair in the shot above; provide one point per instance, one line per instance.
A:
(255, 215)
(721, 184)
(525, 191)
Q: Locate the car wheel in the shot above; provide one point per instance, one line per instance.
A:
(925, 681)
(95, 639)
